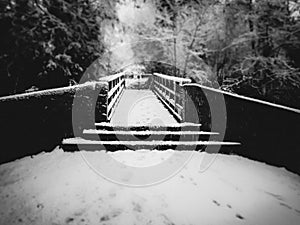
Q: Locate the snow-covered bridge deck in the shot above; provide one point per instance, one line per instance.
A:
(141, 107)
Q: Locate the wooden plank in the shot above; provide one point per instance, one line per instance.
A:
(166, 88)
(179, 125)
(115, 103)
(111, 103)
(81, 141)
(111, 92)
(168, 106)
(148, 132)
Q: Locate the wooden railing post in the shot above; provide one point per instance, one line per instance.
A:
(184, 103)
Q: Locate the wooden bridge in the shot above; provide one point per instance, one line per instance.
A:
(151, 118)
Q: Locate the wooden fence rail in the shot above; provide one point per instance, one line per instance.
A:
(116, 85)
(170, 91)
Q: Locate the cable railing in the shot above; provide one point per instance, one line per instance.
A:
(170, 91)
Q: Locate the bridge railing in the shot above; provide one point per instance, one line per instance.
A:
(116, 85)
(170, 91)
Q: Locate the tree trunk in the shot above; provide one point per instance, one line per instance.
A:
(251, 25)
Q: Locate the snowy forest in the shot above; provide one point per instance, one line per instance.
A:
(246, 47)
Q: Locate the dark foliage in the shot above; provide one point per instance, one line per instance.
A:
(39, 121)
(48, 43)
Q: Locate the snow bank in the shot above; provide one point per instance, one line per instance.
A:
(59, 188)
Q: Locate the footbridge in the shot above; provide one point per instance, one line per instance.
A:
(157, 114)
(155, 111)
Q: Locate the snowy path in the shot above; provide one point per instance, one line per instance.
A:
(141, 107)
(59, 188)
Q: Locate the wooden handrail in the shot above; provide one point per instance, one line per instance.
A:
(237, 96)
(116, 85)
(177, 79)
(169, 90)
(112, 77)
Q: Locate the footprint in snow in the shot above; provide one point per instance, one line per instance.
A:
(239, 217)
(111, 215)
(69, 220)
(285, 205)
(136, 207)
(297, 211)
(217, 203)
(167, 221)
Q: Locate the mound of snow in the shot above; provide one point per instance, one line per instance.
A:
(59, 188)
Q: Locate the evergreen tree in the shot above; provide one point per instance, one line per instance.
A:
(49, 43)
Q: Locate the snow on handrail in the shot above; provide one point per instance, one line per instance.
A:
(174, 125)
(51, 91)
(148, 132)
(244, 97)
(176, 79)
(112, 77)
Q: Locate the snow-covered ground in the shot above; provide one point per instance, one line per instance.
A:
(136, 83)
(141, 107)
(59, 188)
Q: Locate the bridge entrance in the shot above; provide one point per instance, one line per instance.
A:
(149, 118)
(167, 89)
